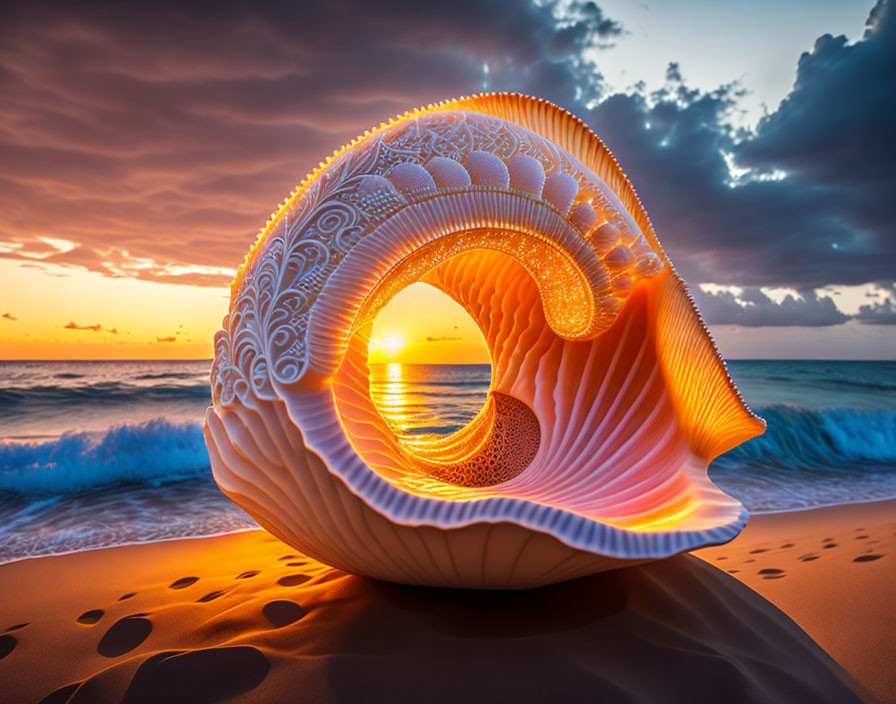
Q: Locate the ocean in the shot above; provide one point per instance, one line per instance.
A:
(108, 453)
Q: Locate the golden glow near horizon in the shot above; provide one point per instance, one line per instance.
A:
(56, 312)
(421, 325)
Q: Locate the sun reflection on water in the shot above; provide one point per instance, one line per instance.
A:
(417, 399)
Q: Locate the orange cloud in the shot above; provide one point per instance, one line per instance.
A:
(8, 316)
(170, 338)
(74, 326)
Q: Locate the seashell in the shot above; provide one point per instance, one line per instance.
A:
(583, 217)
(487, 170)
(410, 178)
(620, 257)
(447, 173)
(526, 174)
(604, 410)
(560, 189)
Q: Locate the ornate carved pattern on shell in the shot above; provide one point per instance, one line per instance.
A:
(608, 398)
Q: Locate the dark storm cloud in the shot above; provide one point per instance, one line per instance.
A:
(753, 308)
(883, 313)
(829, 221)
(164, 134)
(879, 312)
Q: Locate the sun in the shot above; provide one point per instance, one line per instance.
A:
(393, 344)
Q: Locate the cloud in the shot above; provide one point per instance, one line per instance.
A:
(801, 203)
(9, 316)
(753, 308)
(92, 328)
(74, 326)
(879, 312)
(170, 338)
(163, 134)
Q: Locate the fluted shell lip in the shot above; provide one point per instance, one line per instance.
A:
(572, 529)
(529, 501)
(528, 223)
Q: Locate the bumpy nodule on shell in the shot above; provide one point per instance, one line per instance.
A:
(620, 257)
(411, 178)
(560, 189)
(648, 265)
(487, 170)
(604, 238)
(371, 183)
(526, 174)
(622, 285)
(447, 173)
(583, 217)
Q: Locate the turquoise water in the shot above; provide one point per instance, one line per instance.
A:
(104, 453)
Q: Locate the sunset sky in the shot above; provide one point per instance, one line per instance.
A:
(143, 146)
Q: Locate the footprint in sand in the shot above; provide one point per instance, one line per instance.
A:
(867, 558)
(829, 545)
(7, 644)
(758, 550)
(183, 582)
(16, 627)
(250, 573)
(786, 545)
(296, 564)
(733, 571)
(61, 695)
(208, 675)
(124, 635)
(861, 537)
(289, 557)
(748, 561)
(808, 558)
(282, 613)
(124, 597)
(211, 596)
(723, 557)
(771, 573)
(89, 618)
(293, 580)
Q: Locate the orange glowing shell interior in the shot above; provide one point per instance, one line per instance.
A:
(608, 398)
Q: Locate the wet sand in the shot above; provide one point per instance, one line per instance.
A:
(244, 618)
(833, 571)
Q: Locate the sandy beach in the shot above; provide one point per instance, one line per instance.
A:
(244, 618)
